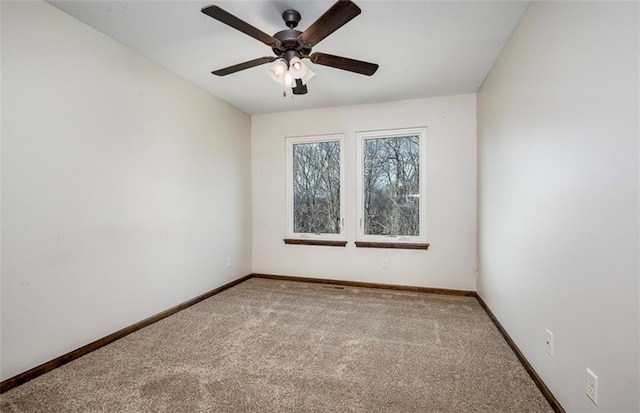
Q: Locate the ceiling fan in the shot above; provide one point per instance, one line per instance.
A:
(290, 46)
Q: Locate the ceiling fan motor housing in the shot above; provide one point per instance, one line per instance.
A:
(290, 47)
(289, 43)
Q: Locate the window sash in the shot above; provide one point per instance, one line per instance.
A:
(291, 143)
(367, 137)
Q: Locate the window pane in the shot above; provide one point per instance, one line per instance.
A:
(316, 188)
(391, 184)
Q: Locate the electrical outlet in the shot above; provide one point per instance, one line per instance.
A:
(548, 342)
(385, 263)
(592, 386)
(228, 262)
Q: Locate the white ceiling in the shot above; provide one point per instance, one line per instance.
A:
(424, 48)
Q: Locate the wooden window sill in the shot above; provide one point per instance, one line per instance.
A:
(398, 245)
(324, 243)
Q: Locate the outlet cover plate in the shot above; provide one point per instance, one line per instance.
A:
(548, 342)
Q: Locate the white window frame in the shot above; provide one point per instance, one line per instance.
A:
(289, 142)
(421, 132)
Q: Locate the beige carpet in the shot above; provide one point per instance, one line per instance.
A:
(280, 346)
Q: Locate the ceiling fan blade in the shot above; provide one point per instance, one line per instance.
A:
(231, 20)
(344, 63)
(245, 65)
(337, 16)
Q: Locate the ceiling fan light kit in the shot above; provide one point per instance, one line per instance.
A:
(290, 46)
(293, 74)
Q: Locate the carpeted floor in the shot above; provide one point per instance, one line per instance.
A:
(282, 346)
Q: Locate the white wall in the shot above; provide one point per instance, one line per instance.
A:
(124, 187)
(558, 197)
(451, 194)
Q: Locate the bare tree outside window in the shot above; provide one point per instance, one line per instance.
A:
(316, 187)
(391, 185)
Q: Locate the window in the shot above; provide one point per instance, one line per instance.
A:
(391, 187)
(315, 188)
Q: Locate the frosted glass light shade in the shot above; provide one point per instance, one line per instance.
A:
(307, 77)
(288, 80)
(297, 68)
(277, 71)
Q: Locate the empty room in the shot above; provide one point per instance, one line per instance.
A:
(320, 206)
